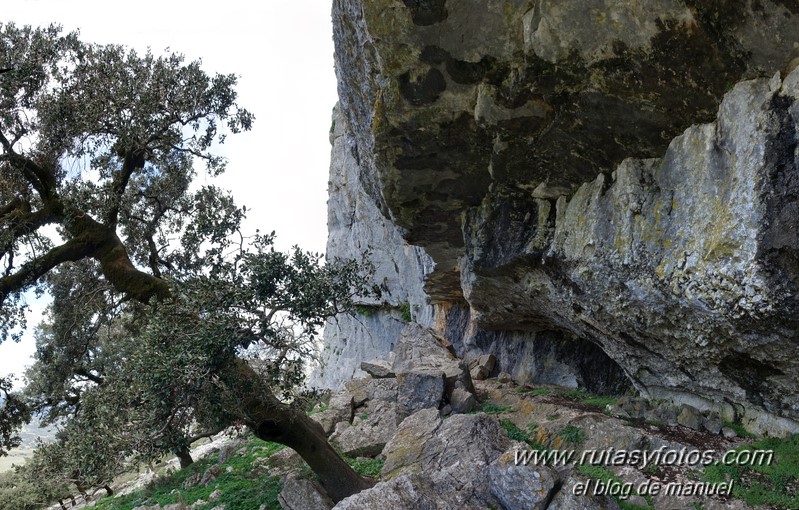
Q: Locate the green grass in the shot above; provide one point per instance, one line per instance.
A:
(514, 432)
(240, 489)
(517, 434)
(572, 434)
(591, 399)
(773, 484)
(738, 428)
(365, 467)
(490, 408)
(534, 392)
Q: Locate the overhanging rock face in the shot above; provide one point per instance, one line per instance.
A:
(684, 268)
(529, 148)
(448, 97)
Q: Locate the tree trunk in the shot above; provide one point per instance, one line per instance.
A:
(272, 420)
(184, 455)
(303, 435)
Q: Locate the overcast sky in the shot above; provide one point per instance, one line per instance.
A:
(282, 51)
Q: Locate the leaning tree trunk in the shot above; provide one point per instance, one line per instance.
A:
(184, 456)
(272, 420)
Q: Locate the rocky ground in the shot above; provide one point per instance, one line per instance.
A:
(445, 436)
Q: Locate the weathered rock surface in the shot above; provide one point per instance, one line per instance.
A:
(419, 390)
(506, 156)
(301, 494)
(355, 225)
(541, 97)
(425, 442)
(519, 485)
(456, 487)
(374, 426)
(378, 368)
(695, 249)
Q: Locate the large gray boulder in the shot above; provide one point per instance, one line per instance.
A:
(519, 485)
(458, 487)
(373, 426)
(426, 443)
(420, 389)
(421, 357)
(302, 494)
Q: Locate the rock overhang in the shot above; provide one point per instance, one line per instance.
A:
(482, 129)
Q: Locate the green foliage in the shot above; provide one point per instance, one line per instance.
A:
(514, 432)
(13, 413)
(517, 434)
(17, 492)
(572, 434)
(739, 430)
(773, 484)
(367, 310)
(157, 295)
(405, 311)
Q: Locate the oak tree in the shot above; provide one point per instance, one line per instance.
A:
(97, 207)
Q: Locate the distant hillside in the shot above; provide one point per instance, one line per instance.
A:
(29, 434)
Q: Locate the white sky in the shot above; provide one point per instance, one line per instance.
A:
(282, 51)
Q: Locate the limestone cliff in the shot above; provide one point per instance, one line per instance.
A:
(581, 188)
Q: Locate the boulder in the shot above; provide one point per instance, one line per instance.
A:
(712, 423)
(301, 494)
(566, 499)
(480, 368)
(461, 401)
(521, 486)
(420, 348)
(422, 352)
(373, 427)
(367, 388)
(690, 417)
(425, 442)
(378, 368)
(419, 390)
(459, 487)
(340, 408)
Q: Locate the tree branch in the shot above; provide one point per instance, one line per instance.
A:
(22, 221)
(97, 379)
(34, 269)
(115, 263)
(41, 180)
(203, 435)
(134, 160)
